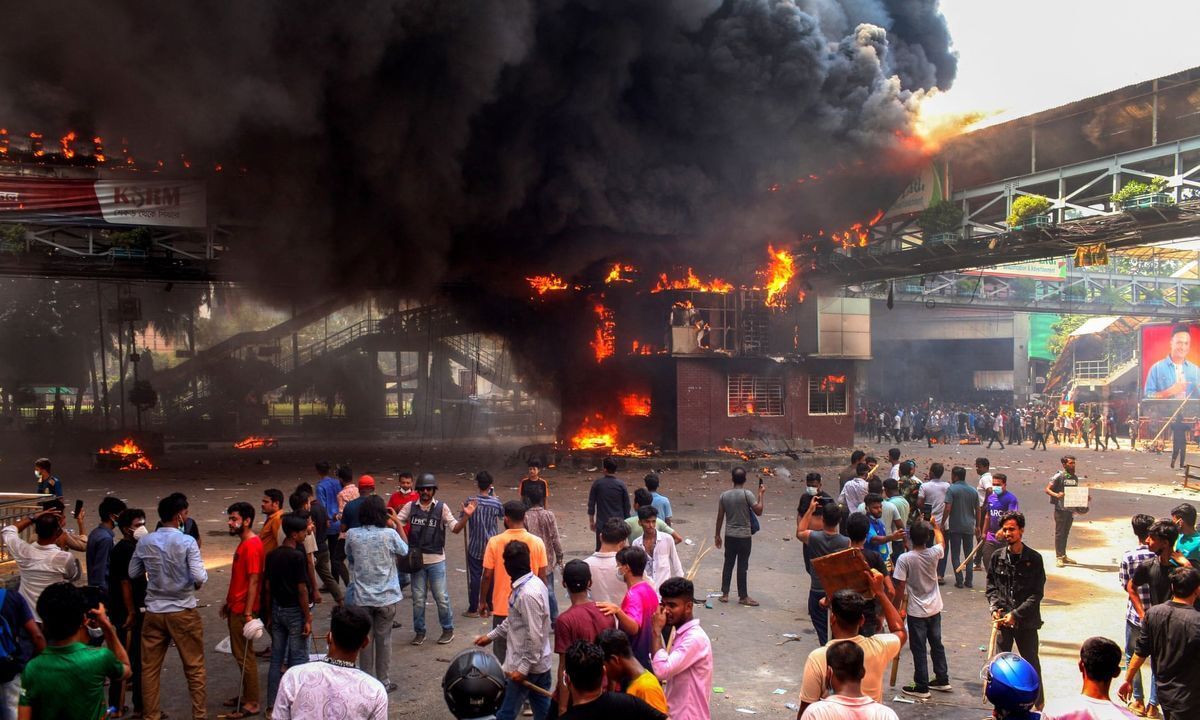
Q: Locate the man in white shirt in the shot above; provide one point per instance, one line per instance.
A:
(879, 650)
(847, 702)
(606, 586)
(916, 573)
(334, 687)
(1099, 662)
(41, 563)
(855, 491)
(894, 459)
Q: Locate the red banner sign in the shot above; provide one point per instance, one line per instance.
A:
(162, 203)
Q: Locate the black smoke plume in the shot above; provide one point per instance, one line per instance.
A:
(420, 145)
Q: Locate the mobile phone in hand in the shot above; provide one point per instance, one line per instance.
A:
(78, 507)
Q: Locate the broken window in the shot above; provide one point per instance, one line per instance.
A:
(755, 395)
(827, 395)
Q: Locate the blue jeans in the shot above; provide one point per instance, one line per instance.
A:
(515, 696)
(553, 599)
(921, 630)
(965, 541)
(288, 645)
(819, 615)
(1131, 636)
(431, 578)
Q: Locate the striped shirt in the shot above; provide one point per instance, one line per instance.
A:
(1129, 563)
(486, 521)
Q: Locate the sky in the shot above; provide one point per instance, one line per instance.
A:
(1021, 56)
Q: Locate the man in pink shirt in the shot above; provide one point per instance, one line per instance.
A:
(687, 667)
(639, 605)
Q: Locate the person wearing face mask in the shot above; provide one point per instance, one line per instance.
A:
(640, 603)
(126, 598)
(100, 542)
(174, 572)
(998, 502)
(47, 484)
(241, 604)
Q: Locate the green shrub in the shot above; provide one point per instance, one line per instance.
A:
(940, 217)
(1025, 207)
(1133, 188)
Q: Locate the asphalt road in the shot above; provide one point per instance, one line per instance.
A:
(753, 662)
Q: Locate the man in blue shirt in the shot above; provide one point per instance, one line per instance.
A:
(485, 518)
(1175, 377)
(174, 572)
(47, 484)
(659, 502)
(100, 542)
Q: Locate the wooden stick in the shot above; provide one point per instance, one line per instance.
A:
(896, 660)
(537, 689)
(966, 562)
(991, 652)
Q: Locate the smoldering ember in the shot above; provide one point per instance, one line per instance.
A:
(596, 359)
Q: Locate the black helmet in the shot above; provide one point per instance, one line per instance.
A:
(427, 480)
(474, 684)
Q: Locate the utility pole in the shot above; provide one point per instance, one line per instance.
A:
(103, 359)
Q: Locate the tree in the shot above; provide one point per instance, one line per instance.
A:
(1062, 329)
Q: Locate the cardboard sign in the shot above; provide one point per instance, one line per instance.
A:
(843, 570)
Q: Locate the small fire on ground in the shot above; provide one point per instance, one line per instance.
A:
(125, 455)
(255, 442)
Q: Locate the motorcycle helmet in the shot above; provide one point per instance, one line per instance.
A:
(1010, 683)
(474, 684)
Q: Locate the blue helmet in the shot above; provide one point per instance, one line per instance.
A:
(1010, 683)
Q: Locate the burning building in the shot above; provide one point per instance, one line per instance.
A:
(685, 362)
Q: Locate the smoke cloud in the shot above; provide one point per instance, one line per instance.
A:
(416, 145)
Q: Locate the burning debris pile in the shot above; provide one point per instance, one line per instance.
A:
(124, 455)
(255, 442)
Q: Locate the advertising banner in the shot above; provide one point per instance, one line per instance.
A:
(1170, 362)
(931, 186)
(133, 201)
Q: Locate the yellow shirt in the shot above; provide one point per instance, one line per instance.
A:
(647, 689)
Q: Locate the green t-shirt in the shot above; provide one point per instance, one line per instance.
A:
(78, 667)
(1189, 545)
(635, 530)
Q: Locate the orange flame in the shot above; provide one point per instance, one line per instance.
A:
(133, 457)
(635, 405)
(734, 451)
(65, 141)
(642, 349)
(858, 234)
(778, 275)
(601, 434)
(543, 284)
(692, 282)
(614, 275)
(255, 442)
(604, 343)
(829, 383)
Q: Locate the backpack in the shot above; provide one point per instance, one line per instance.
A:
(10, 652)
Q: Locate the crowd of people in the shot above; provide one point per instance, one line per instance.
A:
(625, 640)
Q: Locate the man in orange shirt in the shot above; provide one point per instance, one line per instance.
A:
(494, 592)
(272, 509)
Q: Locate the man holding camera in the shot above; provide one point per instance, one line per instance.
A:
(41, 563)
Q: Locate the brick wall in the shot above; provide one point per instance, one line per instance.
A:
(703, 421)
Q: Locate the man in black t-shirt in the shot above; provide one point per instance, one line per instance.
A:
(812, 493)
(126, 598)
(589, 699)
(1171, 639)
(608, 498)
(285, 602)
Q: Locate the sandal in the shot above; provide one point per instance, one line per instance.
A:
(724, 598)
(242, 713)
(748, 602)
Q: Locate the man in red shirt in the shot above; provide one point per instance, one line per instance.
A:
(404, 495)
(582, 621)
(241, 604)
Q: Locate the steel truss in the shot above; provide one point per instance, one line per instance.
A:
(1081, 214)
